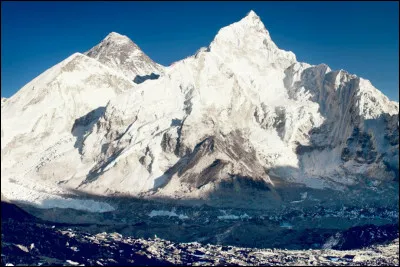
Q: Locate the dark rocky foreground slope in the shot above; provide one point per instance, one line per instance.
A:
(27, 240)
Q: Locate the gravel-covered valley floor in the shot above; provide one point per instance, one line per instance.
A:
(26, 240)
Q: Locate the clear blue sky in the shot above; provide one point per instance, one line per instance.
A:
(360, 37)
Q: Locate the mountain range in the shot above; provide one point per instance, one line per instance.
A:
(240, 114)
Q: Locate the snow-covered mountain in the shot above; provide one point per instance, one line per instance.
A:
(239, 112)
(44, 122)
(120, 53)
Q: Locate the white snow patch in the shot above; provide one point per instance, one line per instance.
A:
(286, 225)
(232, 217)
(303, 197)
(171, 213)
(72, 262)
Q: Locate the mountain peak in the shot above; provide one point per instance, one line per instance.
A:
(249, 35)
(116, 36)
(252, 14)
(73, 57)
(252, 20)
(120, 53)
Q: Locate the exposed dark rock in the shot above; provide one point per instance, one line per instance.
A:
(140, 79)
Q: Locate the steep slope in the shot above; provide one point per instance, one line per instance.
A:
(360, 131)
(239, 113)
(3, 101)
(121, 54)
(44, 123)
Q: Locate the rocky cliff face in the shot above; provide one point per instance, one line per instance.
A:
(239, 112)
